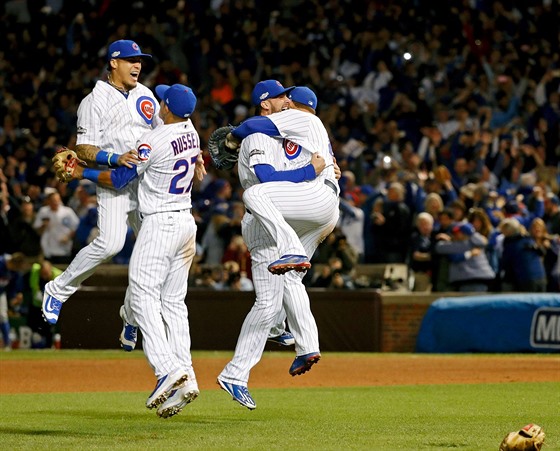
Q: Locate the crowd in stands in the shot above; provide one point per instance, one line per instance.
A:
(445, 122)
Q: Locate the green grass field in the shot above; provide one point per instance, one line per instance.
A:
(429, 417)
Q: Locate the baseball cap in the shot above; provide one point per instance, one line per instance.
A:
(180, 99)
(124, 49)
(267, 89)
(304, 95)
(466, 228)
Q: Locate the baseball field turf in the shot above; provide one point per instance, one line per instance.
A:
(69, 400)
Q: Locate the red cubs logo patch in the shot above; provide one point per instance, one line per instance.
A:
(291, 149)
(144, 151)
(146, 107)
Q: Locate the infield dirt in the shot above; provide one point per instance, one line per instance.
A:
(67, 375)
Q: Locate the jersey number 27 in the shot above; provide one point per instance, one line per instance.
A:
(182, 167)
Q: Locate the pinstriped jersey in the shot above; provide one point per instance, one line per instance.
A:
(303, 134)
(167, 160)
(258, 148)
(109, 120)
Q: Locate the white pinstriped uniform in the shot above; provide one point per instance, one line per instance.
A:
(165, 247)
(109, 120)
(276, 294)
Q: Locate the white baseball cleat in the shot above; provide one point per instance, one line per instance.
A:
(165, 385)
(178, 399)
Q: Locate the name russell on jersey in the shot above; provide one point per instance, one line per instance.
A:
(184, 143)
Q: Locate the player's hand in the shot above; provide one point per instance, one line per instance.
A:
(199, 169)
(128, 159)
(337, 171)
(318, 163)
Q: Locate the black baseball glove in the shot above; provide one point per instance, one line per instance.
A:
(223, 147)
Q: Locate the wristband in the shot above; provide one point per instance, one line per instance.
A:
(113, 159)
(107, 158)
(91, 174)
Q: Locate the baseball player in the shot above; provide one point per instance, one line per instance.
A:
(259, 157)
(111, 119)
(273, 205)
(165, 246)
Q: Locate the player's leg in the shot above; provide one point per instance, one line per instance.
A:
(148, 270)
(296, 300)
(174, 310)
(257, 324)
(175, 315)
(280, 205)
(112, 208)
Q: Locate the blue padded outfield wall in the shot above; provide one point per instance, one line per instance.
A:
(492, 323)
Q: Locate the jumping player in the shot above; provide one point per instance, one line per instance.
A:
(111, 119)
(263, 159)
(165, 247)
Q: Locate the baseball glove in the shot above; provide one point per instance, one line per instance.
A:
(529, 438)
(64, 164)
(223, 147)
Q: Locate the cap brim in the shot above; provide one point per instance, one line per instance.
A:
(161, 90)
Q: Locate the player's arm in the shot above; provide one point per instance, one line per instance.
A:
(256, 124)
(267, 173)
(111, 178)
(93, 154)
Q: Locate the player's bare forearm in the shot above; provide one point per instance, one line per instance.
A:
(87, 152)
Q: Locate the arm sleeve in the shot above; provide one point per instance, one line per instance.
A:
(267, 173)
(257, 124)
(122, 176)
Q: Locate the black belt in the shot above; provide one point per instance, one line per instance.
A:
(331, 185)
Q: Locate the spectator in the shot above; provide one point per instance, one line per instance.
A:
(552, 214)
(469, 270)
(420, 260)
(237, 251)
(57, 224)
(234, 279)
(522, 265)
(34, 284)
(391, 227)
(351, 223)
(11, 286)
(440, 263)
(22, 234)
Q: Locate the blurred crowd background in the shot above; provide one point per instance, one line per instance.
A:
(444, 118)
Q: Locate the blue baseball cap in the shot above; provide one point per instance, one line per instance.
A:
(466, 228)
(180, 99)
(124, 49)
(267, 89)
(304, 95)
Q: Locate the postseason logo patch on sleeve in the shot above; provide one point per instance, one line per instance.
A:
(81, 130)
(256, 152)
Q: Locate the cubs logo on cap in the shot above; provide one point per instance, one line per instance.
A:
(125, 49)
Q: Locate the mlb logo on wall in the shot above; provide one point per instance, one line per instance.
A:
(545, 328)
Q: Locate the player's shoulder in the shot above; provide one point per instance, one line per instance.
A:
(143, 90)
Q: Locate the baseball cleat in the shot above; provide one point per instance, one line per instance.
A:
(165, 385)
(299, 263)
(286, 339)
(129, 333)
(178, 399)
(303, 363)
(239, 393)
(51, 308)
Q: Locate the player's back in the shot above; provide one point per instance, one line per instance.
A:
(168, 157)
